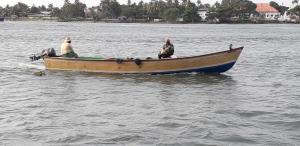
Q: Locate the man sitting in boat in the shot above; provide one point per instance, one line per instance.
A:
(66, 49)
(167, 50)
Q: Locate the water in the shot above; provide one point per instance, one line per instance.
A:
(255, 103)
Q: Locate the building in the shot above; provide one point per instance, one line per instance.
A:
(91, 12)
(285, 17)
(44, 15)
(202, 13)
(267, 12)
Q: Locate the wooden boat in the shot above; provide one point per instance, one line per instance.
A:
(210, 63)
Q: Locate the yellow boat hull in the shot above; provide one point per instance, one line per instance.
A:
(210, 63)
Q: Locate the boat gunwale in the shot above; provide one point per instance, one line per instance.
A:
(144, 60)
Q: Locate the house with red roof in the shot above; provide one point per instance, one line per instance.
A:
(267, 12)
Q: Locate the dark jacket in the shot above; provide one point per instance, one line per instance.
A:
(168, 49)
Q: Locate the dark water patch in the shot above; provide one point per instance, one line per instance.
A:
(253, 113)
(101, 142)
(93, 115)
(124, 139)
(48, 116)
(75, 100)
(34, 106)
(169, 125)
(296, 137)
(291, 115)
(277, 85)
(285, 124)
(279, 144)
(38, 128)
(195, 131)
(24, 124)
(237, 139)
(185, 144)
(292, 125)
(121, 125)
(71, 139)
(31, 137)
(223, 112)
(59, 111)
(294, 106)
(167, 118)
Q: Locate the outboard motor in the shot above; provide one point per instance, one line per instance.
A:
(50, 52)
(230, 47)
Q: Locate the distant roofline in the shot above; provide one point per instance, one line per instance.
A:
(266, 8)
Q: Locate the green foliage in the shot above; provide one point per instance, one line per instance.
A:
(171, 14)
(128, 11)
(281, 9)
(42, 8)
(170, 10)
(20, 9)
(133, 11)
(295, 2)
(229, 9)
(199, 3)
(176, 3)
(110, 8)
(190, 13)
(56, 12)
(50, 7)
(34, 9)
(155, 8)
(295, 11)
(79, 9)
(70, 10)
(93, 13)
(8, 11)
(1, 11)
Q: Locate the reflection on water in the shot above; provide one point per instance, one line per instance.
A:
(193, 78)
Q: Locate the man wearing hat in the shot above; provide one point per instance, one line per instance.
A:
(66, 49)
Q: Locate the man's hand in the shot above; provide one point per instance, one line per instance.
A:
(162, 50)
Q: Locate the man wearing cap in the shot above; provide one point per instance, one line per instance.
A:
(66, 49)
(167, 50)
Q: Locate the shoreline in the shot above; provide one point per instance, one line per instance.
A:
(144, 21)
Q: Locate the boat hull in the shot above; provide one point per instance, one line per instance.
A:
(210, 63)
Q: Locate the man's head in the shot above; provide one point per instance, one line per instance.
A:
(67, 40)
(168, 41)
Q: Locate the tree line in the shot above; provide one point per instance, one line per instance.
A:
(169, 10)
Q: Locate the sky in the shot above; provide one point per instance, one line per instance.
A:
(89, 3)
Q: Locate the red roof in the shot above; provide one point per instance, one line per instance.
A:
(265, 8)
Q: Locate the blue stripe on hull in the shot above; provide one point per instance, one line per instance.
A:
(213, 69)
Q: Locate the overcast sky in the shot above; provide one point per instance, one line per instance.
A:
(89, 3)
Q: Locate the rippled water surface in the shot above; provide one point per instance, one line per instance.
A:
(255, 103)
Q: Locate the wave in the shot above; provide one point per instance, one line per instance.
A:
(31, 66)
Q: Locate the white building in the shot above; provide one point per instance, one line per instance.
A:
(44, 15)
(202, 13)
(285, 17)
(267, 12)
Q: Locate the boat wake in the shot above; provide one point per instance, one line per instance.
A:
(31, 66)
